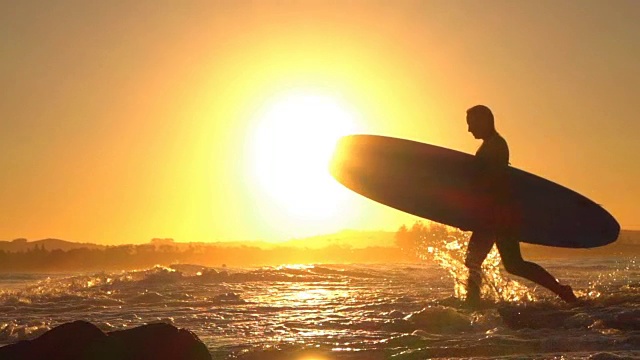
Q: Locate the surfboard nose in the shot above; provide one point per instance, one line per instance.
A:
(610, 229)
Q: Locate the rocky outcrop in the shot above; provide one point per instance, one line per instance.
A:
(80, 340)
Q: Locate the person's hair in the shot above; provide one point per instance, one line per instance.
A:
(482, 113)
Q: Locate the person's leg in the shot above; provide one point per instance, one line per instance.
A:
(513, 262)
(479, 246)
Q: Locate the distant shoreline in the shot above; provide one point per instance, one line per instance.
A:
(54, 255)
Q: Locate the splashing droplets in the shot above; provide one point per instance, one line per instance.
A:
(449, 253)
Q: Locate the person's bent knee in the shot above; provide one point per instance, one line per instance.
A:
(472, 264)
(514, 267)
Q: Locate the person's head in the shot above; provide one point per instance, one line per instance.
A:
(480, 121)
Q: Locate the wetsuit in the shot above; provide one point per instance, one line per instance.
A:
(492, 183)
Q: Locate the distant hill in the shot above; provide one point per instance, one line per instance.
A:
(348, 238)
(48, 244)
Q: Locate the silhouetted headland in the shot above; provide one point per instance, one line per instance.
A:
(403, 246)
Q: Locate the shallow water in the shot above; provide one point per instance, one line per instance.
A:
(393, 311)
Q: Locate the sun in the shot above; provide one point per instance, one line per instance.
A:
(292, 145)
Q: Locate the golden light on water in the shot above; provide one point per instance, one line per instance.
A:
(313, 357)
(293, 141)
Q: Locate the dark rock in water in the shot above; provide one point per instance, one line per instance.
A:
(155, 341)
(81, 340)
(67, 341)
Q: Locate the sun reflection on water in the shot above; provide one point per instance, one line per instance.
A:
(312, 357)
(313, 295)
(295, 267)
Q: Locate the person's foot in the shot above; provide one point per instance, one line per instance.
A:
(566, 294)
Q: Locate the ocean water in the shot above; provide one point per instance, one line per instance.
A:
(356, 311)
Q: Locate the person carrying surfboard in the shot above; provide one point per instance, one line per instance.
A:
(492, 181)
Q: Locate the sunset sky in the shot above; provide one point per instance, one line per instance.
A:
(121, 121)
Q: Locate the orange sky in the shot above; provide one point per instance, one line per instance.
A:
(122, 121)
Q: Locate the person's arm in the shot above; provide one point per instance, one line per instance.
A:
(492, 168)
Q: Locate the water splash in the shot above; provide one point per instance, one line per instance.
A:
(449, 253)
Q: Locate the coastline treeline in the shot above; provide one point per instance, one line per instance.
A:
(147, 255)
(407, 246)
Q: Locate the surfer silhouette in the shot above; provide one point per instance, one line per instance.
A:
(492, 182)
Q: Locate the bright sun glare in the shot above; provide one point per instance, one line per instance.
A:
(294, 140)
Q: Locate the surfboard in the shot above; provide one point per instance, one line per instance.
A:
(436, 183)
